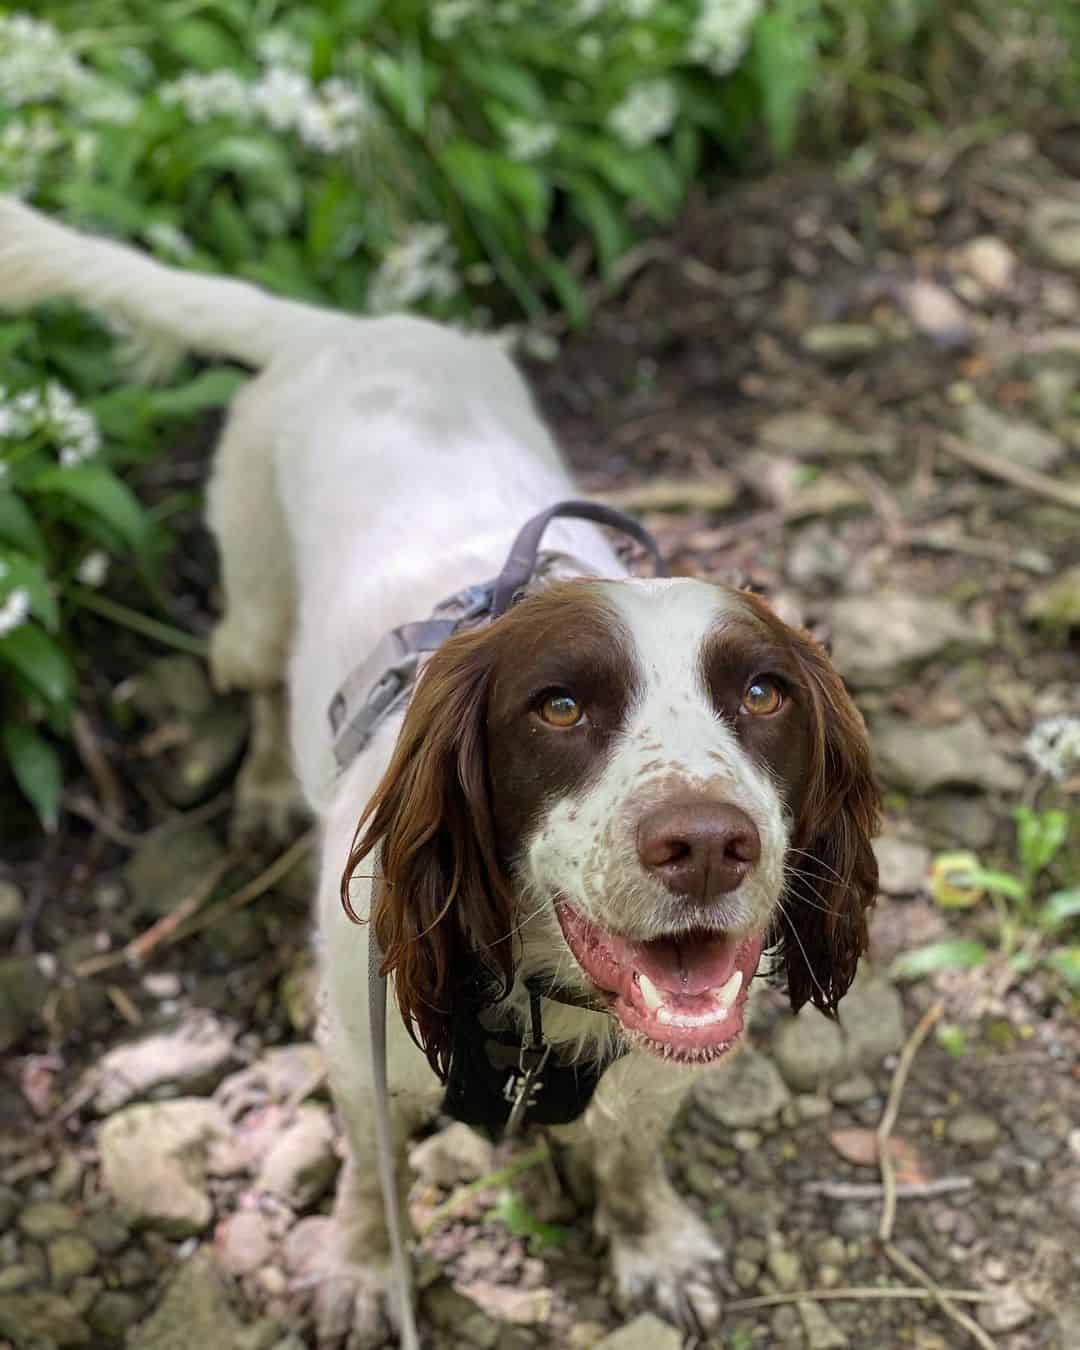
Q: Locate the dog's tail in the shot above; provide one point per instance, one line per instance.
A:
(170, 309)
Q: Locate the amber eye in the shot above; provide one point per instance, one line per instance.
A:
(560, 709)
(762, 697)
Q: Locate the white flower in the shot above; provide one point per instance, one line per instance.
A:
(1054, 745)
(331, 122)
(646, 113)
(218, 93)
(529, 140)
(25, 143)
(722, 33)
(35, 65)
(93, 569)
(421, 267)
(13, 611)
(280, 96)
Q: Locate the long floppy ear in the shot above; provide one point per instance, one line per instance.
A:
(833, 880)
(439, 893)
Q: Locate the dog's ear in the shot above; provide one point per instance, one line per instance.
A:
(832, 877)
(439, 894)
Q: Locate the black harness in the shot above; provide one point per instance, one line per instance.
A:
(498, 1079)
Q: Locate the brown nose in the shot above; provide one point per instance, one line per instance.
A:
(698, 849)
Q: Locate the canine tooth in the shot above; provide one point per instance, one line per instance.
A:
(726, 995)
(649, 992)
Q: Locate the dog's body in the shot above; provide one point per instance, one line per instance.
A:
(370, 469)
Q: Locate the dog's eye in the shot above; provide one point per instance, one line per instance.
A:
(763, 697)
(560, 709)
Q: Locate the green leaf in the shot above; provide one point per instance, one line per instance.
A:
(954, 954)
(209, 389)
(1060, 908)
(526, 187)
(514, 85)
(644, 176)
(202, 44)
(510, 1209)
(100, 491)
(1066, 962)
(567, 287)
(228, 230)
(782, 58)
(999, 882)
(597, 211)
(18, 526)
(35, 765)
(41, 662)
(259, 161)
(468, 168)
(18, 571)
(1040, 835)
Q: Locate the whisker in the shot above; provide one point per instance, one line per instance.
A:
(793, 930)
(819, 861)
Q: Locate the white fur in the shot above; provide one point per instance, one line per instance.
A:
(371, 468)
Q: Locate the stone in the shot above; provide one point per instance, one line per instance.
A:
(831, 1251)
(937, 314)
(1008, 1311)
(243, 1242)
(167, 863)
(876, 638)
(818, 555)
(811, 435)
(1013, 438)
(154, 1158)
(194, 1312)
(747, 1093)
(974, 1131)
(281, 1074)
(958, 819)
(1054, 231)
(745, 1273)
(42, 1320)
(106, 1230)
(990, 261)
(453, 1156)
(903, 866)
(112, 1313)
(821, 1332)
(15, 1277)
(170, 687)
(44, 1219)
(839, 344)
(1056, 604)
(811, 1106)
(785, 1268)
(12, 906)
(645, 1332)
(920, 758)
(808, 1050)
(851, 1091)
(22, 993)
(187, 1059)
(872, 1018)
(302, 1162)
(195, 769)
(70, 1256)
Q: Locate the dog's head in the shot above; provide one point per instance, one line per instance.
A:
(632, 788)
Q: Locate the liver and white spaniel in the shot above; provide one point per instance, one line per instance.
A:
(622, 791)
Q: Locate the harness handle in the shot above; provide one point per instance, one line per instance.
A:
(519, 566)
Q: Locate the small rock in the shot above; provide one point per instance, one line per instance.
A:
(808, 1050)
(902, 865)
(40, 1320)
(957, 819)
(70, 1256)
(1008, 1311)
(920, 758)
(586, 1335)
(645, 1332)
(1013, 438)
(14, 1277)
(817, 555)
(972, 1130)
(745, 1273)
(878, 637)
(786, 1327)
(936, 313)
(46, 1219)
(831, 1251)
(872, 1017)
(810, 1106)
(785, 1268)
(170, 687)
(810, 435)
(748, 1093)
(453, 1156)
(160, 872)
(1054, 231)
(22, 993)
(194, 1312)
(154, 1158)
(185, 1060)
(106, 1230)
(1057, 603)
(198, 766)
(838, 344)
(243, 1242)
(281, 1074)
(746, 1141)
(991, 262)
(12, 907)
(478, 1329)
(302, 1162)
(853, 1090)
(112, 1313)
(1035, 1143)
(821, 1332)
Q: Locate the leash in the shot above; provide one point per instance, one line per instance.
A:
(368, 696)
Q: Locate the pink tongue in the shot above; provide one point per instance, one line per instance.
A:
(689, 967)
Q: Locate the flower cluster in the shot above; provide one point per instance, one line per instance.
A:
(722, 33)
(25, 144)
(327, 117)
(529, 140)
(37, 67)
(646, 114)
(1054, 746)
(55, 412)
(422, 266)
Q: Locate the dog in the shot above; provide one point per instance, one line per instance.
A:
(621, 792)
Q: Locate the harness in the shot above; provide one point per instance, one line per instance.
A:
(497, 1080)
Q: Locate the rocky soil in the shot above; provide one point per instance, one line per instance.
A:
(857, 391)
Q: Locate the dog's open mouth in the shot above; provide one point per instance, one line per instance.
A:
(681, 997)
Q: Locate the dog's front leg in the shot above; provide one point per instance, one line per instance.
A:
(660, 1250)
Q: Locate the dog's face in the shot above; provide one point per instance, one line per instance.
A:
(633, 788)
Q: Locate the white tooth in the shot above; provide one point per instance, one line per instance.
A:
(726, 995)
(649, 992)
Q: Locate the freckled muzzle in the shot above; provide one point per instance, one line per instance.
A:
(681, 997)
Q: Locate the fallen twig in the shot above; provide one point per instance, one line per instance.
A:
(522, 1163)
(945, 1300)
(88, 810)
(872, 1190)
(1065, 494)
(854, 1294)
(892, 1110)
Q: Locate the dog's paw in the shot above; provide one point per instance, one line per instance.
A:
(268, 807)
(671, 1264)
(349, 1291)
(242, 658)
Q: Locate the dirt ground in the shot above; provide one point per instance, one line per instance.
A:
(855, 389)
